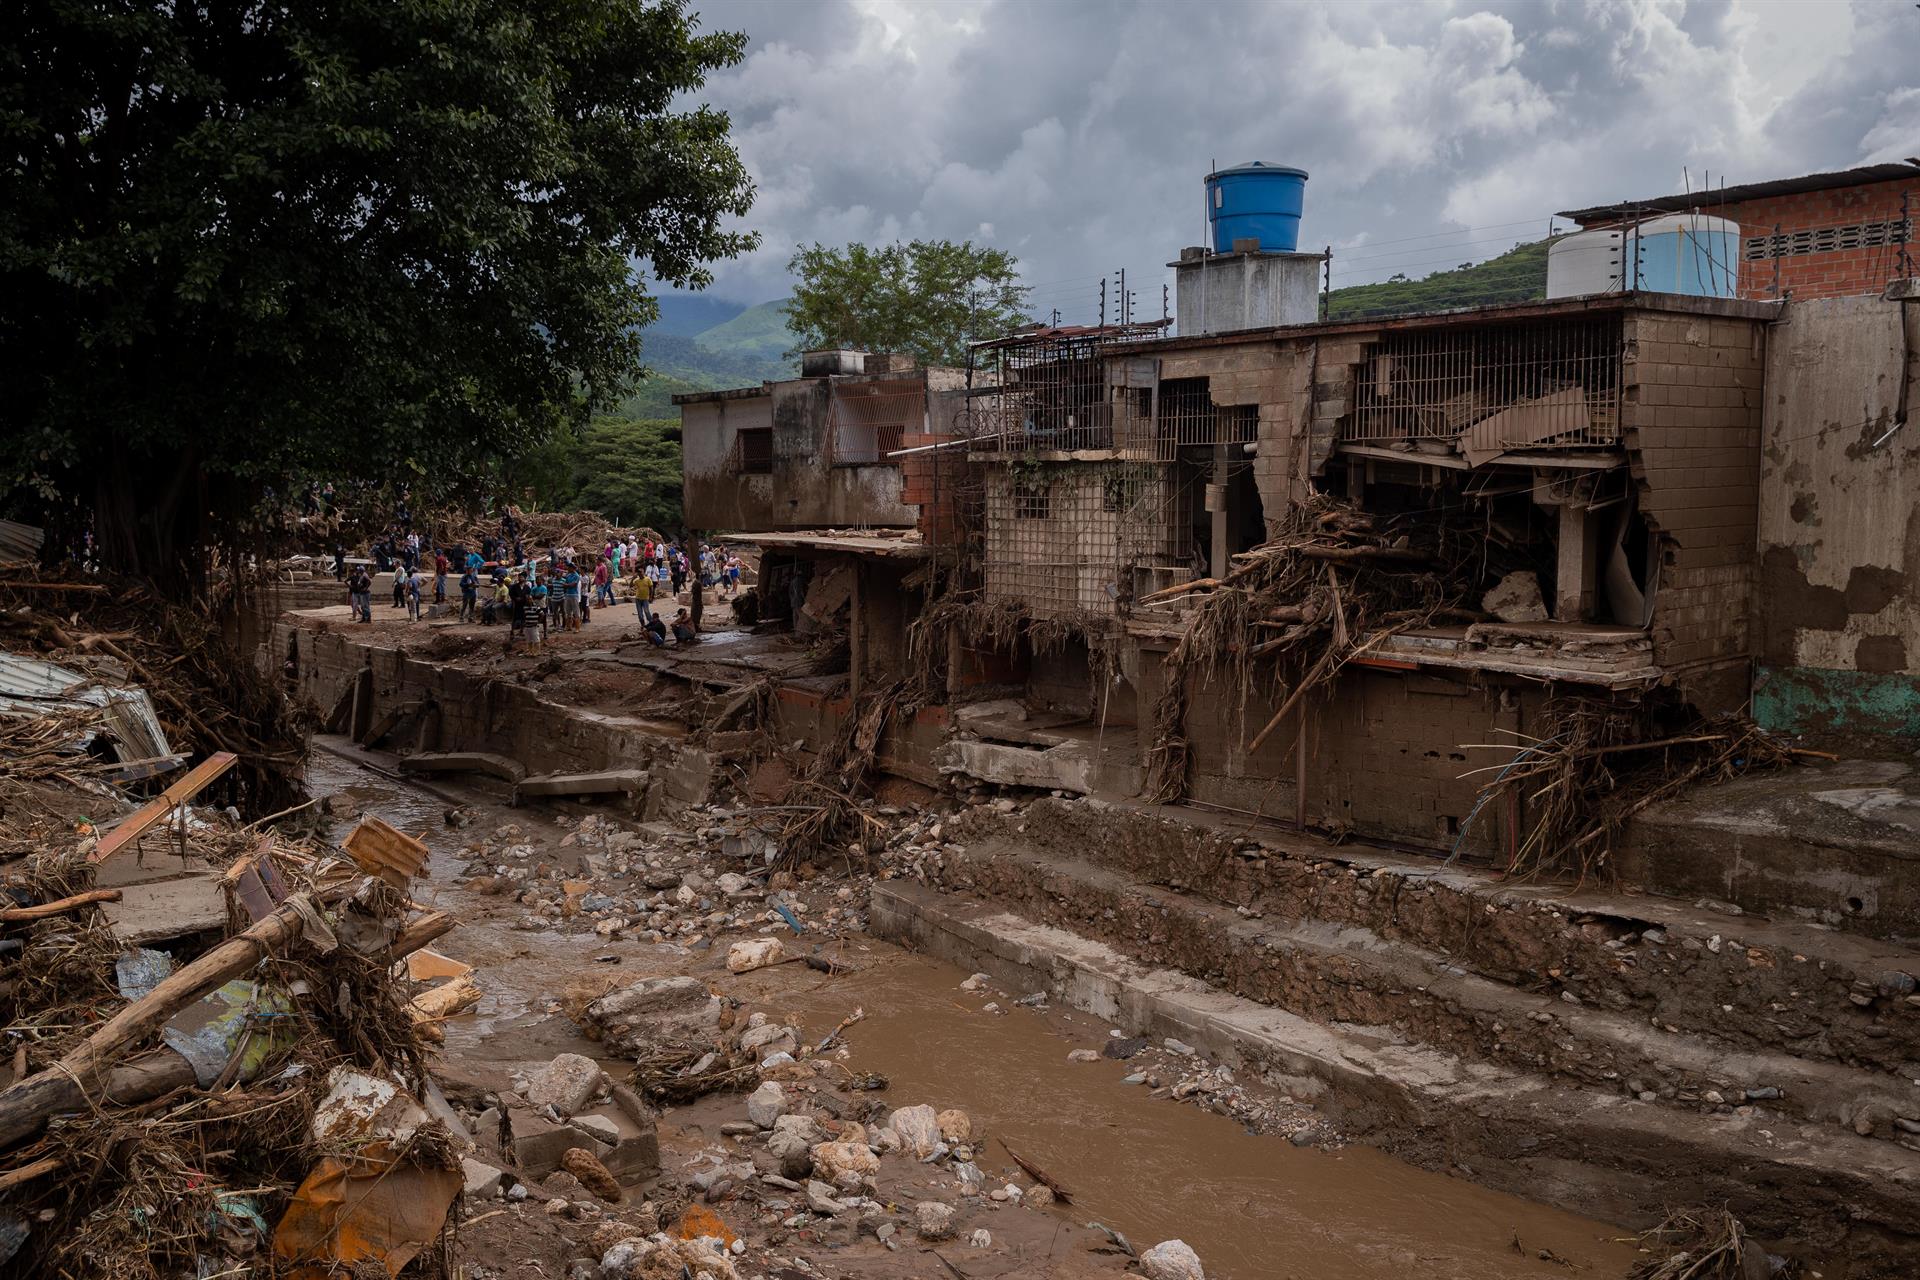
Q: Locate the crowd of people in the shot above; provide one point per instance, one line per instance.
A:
(536, 596)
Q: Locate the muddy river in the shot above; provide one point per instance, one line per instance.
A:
(1254, 1207)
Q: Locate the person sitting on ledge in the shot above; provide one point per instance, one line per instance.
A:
(683, 632)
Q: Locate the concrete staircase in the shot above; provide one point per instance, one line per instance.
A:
(1614, 1055)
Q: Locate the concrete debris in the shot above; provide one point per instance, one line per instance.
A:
(1516, 598)
(767, 1104)
(933, 1220)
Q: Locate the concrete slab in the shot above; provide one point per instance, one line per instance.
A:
(1837, 844)
(158, 910)
(607, 782)
(487, 762)
(1061, 768)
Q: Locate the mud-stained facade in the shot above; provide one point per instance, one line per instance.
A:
(1838, 618)
(811, 452)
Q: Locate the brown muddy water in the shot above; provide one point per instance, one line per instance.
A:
(1254, 1207)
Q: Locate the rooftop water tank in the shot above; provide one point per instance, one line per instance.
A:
(1680, 253)
(1256, 201)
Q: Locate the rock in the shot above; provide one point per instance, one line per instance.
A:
(768, 1039)
(980, 1239)
(752, 953)
(651, 1012)
(1040, 1195)
(976, 982)
(1515, 598)
(733, 884)
(766, 1104)
(1180, 1047)
(567, 1084)
(955, 1125)
(1083, 1055)
(919, 1129)
(599, 1127)
(591, 1174)
(832, 1159)
(1172, 1259)
(820, 1198)
(1123, 1047)
(933, 1220)
(739, 1129)
(792, 1143)
(483, 1181)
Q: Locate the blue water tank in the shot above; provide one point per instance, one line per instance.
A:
(1256, 201)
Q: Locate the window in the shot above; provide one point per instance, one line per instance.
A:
(753, 451)
(1859, 235)
(1032, 501)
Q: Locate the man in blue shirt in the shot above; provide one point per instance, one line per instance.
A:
(570, 595)
(469, 592)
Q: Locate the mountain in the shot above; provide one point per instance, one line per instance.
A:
(760, 332)
(687, 314)
(1518, 275)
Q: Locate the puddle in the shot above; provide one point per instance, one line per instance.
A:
(1256, 1208)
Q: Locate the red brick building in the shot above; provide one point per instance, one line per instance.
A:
(1824, 235)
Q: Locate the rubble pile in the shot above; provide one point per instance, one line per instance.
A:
(212, 1100)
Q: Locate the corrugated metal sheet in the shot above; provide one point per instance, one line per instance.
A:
(33, 686)
(20, 542)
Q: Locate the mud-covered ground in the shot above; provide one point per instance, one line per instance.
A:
(561, 905)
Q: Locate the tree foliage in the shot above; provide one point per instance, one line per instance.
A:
(626, 470)
(246, 245)
(928, 298)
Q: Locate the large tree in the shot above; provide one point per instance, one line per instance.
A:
(929, 298)
(247, 244)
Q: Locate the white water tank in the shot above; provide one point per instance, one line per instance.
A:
(1686, 253)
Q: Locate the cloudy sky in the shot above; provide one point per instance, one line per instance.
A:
(1075, 133)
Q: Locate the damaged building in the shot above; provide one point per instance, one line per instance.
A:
(1596, 481)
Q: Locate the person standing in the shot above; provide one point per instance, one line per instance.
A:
(469, 594)
(603, 583)
(643, 598)
(360, 594)
(440, 568)
(416, 585)
(570, 596)
(733, 574)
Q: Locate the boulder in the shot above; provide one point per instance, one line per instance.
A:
(1171, 1260)
(919, 1129)
(483, 1181)
(820, 1199)
(752, 953)
(792, 1143)
(933, 1220)
(955, 1125)
(1515, 598)
(768, 1039)
(653, 1012)
(567, 1084)
(766, 1104)
(831, 1159)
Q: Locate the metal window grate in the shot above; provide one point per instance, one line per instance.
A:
(1483, 390)
(752, 452)
(868, 420)
(1051, 392)
(1858, 235)
(1186, 417)
(1083, 539)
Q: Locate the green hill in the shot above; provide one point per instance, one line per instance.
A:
(760, 332)
(1518, 275)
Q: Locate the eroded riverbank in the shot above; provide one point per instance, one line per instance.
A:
(1150, 1167)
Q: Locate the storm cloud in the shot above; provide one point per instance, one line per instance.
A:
(1075, 133)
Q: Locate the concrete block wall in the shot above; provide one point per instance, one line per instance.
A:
(1691, 423)
(1384, 752)
(1278, 378)
(477, 713)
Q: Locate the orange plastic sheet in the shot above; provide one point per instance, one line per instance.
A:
(370, 1206)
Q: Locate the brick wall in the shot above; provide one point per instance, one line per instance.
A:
(1834, 273)
(1691, 419)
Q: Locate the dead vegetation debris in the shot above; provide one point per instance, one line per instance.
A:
(1330, 584)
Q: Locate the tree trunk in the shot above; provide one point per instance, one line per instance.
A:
(150, 517)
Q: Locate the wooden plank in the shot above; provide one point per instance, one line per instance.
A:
(198, 779)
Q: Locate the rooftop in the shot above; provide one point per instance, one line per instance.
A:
(1712, 197)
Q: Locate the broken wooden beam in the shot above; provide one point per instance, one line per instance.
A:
(198, 779)
(1178, 589)
(59, 906)
(380, 850)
